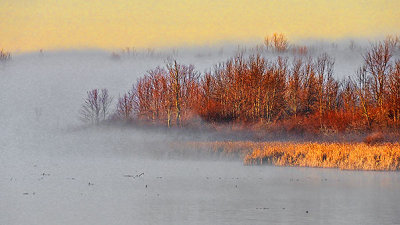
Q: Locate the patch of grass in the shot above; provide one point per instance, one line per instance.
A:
(358, 156)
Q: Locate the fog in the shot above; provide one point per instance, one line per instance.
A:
(42, 93)
(56, 170)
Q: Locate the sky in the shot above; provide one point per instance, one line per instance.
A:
(30, 25)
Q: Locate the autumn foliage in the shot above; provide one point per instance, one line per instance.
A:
(299, 95)
(281, 94)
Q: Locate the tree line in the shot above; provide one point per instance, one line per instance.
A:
(299, 95)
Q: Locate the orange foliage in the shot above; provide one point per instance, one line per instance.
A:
(300, 96)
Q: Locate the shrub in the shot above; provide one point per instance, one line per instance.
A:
(374, 138)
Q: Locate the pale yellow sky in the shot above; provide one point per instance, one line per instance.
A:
(27, 25)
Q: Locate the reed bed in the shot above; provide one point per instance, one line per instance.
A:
(346, 156)
(355, 156)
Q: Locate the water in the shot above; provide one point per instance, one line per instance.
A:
(57, 191)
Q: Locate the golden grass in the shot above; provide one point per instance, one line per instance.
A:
(347, 156)
(328, 155)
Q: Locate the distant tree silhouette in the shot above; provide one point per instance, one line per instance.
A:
(96, 106)
(127, 105)
(277, 41)
(4, 55)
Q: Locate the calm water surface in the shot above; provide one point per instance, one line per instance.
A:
(192, 192)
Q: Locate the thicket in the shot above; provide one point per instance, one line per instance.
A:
(298, 95)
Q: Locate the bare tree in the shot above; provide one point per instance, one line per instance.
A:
(126, 105)
(394, 93)
(348, 96)
(96, 106)
(326, 86)
(175, 72)
(105, 102)
(294, 88)
(309, 88)
(254, 89)
(393, 42)
(364, 94)
(277, 41)
(377, 65)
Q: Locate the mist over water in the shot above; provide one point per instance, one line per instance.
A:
(56, 170)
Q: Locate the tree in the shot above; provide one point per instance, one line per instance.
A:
(175, 76)
(348, 97)
(326, 86)
(394, 93)
(377, 65)
(277, 41)
(252, 89)
(153, 96)
(275, 89)
(309, 89)
(393, 42)
(126, 105)
(183, 88)
(364, 94)
(105, 102)
(294, 88)
(96, 106)
(4, 55)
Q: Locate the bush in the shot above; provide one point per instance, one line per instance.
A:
(374, 138)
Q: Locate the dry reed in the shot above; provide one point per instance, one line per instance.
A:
(346, 156)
